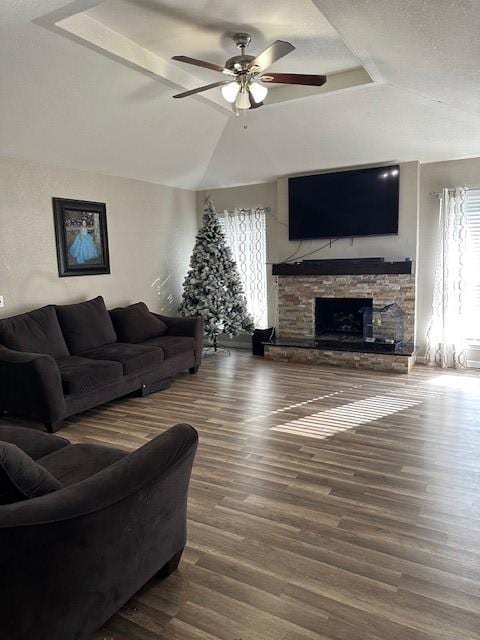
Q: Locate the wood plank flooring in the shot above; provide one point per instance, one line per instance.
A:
(325, 504)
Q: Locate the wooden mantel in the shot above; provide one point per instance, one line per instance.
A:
(341, 267)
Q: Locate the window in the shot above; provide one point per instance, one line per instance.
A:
(245, 232)
(472, 266)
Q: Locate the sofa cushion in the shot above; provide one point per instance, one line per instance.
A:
(135, 323)
(35, 444)
(79, 461)
(80, 375)
(134, 358)
(37, 331)
(172, 345)
(21, 477)
(86, 325)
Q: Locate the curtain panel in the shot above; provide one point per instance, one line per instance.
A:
(446, 335)
(245, 232)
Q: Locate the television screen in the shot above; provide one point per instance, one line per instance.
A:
(363, 202)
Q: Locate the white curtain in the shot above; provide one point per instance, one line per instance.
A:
(245, 231)
(446, 336)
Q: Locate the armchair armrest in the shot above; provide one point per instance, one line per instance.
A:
(31, 387)
(186, 326)
(93, 544)
(168, 455)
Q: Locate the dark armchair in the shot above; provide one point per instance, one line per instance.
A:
(71, 558)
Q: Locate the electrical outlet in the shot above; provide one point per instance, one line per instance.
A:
(2, 302)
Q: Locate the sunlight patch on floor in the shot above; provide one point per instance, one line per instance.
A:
(296, 405)
(459, 381)
(332, 421)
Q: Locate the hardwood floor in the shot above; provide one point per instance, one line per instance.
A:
(325, 503)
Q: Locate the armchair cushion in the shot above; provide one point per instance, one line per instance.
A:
(34, 332)
(21, 477)
(135, 323)
(135, 358)
(86, 325)
(81, 375)
(172, 345)
(35, 444)
(79, 461)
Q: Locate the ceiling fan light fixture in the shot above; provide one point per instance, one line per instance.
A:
(230, 91)
(243, 89)
(243, 100)
(259, 92)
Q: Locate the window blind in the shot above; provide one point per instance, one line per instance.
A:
(472, 265)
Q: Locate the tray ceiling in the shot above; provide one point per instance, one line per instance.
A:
(98, 96)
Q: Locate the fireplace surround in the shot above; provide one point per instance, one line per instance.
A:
(297, 294)
(301, 285)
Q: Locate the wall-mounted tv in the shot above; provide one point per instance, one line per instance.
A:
(362, 202)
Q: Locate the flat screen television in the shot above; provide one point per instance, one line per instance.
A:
(362, 202)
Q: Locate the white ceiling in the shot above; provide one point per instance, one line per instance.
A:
(203, 29)
(69, 104)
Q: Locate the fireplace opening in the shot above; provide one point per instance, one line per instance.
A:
(340, 318)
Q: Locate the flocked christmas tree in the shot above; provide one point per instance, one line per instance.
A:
(212, 288)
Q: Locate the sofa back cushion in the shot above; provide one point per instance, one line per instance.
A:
(21, 477)
(86, 325)
(34, 332)
(136, 323)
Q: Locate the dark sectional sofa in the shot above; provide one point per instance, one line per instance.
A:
(57, 361)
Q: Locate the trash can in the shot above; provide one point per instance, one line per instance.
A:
(260, 336)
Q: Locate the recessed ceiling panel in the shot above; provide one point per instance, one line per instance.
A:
(202, 29)
(148, 33)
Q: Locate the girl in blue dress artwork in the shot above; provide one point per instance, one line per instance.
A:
(83, 248)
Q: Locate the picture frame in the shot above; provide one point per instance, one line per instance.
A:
(81, 237)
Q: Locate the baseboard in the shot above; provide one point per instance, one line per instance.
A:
(471, 364)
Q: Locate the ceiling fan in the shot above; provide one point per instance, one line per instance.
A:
(243, 89)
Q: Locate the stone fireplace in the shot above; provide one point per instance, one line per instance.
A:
(321, 307)
(297, 295)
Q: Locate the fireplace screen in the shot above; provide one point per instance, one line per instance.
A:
(384, 324)
(341, 317)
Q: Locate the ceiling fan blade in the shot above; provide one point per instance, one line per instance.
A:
(253, 104)
(202, 63)
(271, 54)
(205, 87)
(294, 78)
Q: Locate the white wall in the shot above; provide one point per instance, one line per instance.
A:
(275, 196)
(151, 232)
(433, 178)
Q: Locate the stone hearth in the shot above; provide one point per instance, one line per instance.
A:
(391, 362)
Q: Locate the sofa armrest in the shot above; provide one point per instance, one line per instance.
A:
(186, 326)
(31, 387)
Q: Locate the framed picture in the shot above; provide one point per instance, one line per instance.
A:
(82, 238)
